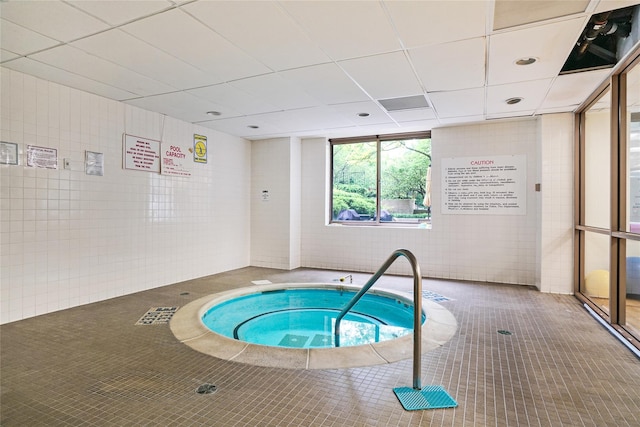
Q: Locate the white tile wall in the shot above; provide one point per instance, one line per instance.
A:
(557, 203)
(68, 238)
(275, 165)
(469, 247)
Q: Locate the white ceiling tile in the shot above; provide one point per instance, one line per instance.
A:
(384, 76)
(357, 28)
(509, 13)
(432, 22)
(351, 111)
(550, 44)
(228, 96)
(460, 120)
(412, 115)
(460, 103)
(379, 129)
(531, 92)
(5, 55)
(307, 119)
(451, 66)
(510, 114)
(240, 126)
(554, 110)
(327, 83)
(273, 89)
(185, 38)
(124, 49)
(304, 67)
(120, 12)
(607, 5)
(572, 89)
(418, 125)
(46, 72)
(262, 29)
(181, 105)
(79, 62)
(22, 41)
(53, 19)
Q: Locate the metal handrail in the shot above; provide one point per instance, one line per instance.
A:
(417, 307)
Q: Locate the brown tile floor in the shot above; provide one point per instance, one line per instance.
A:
(92, 365)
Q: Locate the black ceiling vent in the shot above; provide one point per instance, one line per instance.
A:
(404, 103)
(599, 44)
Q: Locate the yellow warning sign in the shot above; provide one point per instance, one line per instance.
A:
(199, 148)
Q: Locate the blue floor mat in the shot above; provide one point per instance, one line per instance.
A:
(430, 397)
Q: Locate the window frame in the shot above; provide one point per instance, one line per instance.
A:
(378, 139)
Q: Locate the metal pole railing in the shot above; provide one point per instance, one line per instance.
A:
(417, 307)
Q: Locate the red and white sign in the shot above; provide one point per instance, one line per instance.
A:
(174, 159)
(141, 154)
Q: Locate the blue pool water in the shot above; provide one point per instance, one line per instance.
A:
(305, 318)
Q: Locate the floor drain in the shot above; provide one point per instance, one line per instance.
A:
(206, 389)
(157, 315)
(503, 332)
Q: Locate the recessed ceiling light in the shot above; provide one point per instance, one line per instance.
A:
(363, 114)
(513, 100)
(253, 127)
(526, 61)
(213, 113)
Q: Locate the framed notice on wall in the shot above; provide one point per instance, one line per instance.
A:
(8, 153)
(141, 154)
(489, 185)
(42, 157)
(94, 163)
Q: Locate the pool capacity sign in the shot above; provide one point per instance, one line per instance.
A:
(176, 159)
(494, 185)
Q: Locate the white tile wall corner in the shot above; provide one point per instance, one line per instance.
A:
(68, 238)
(557, 203)
(295, 198)
(468, 247)
(275, 196)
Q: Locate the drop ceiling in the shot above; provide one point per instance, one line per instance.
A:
(308, 68)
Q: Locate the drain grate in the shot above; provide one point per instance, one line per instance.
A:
(206, 389)
(157, 315)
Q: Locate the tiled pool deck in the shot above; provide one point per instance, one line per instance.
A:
(92, 365)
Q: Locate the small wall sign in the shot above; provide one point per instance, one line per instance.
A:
(141, 154)
(8, 153)
(199, 148)
(42, 157)
(94, 163)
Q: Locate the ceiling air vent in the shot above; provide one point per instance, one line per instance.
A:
(404, 103)
(599, 44)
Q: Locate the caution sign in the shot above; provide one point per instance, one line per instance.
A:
(199, 148)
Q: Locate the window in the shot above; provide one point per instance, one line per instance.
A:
(381, 179)
(608, 195)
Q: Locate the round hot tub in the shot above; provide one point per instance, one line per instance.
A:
(291, 326)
